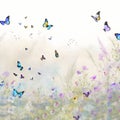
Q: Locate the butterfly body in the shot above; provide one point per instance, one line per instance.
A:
(16, 93)
(7, 21)
(19, 65)
(97, 16)
(46, 25)
(117, 35)
(106, 27)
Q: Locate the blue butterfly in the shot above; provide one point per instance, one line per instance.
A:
(2, 84)
(106, 27)
(117, 35)
(19, 65)
(45, 24)
(7, 21)
(16, 93)
(97, 16)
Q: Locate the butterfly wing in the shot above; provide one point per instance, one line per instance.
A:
(20, 94)
(87, 94)
(7, 20)
(19, 65)
(43, 57)
(21, 68)
(94, 18)
(106, 27)
(117, 35)
(97, 16)
(2, 84)
(49, 27)
(45, 24)
(14, 93)
(2, 22)
(21, 76)
(76, 118)
(98, 13)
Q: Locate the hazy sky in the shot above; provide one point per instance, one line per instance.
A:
(71, 18)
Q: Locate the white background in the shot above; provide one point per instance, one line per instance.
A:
(71, 18)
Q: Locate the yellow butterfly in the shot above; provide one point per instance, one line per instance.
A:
(45, 24)
(97, 16)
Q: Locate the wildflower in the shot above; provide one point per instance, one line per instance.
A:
(84, 68)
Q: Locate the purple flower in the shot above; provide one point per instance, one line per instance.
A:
(103, 49)
(93, 77)
(6, 74)
(61, 95)
(101, 57)
(78, 72)
(84, 68)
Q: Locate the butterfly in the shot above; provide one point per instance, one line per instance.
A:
(26, 48)
(106, 27)
(25, 26)
(16, 93)
(29, 68)
(25, 17)
(14, 74)
(32, 26)
(43, 57)
(7, 21)
(39, 73)
(97, 16)
(50, 38)
(21, 76)
(86, 94)
(31, 78)
(20, 23)
(45, 24)
(76, 118)
(2, 84)
(117, 35)
(56, 53)
(19, 65)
